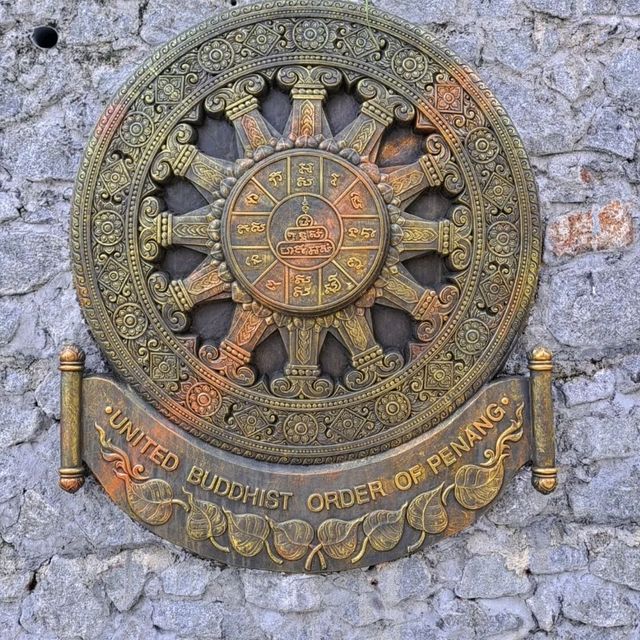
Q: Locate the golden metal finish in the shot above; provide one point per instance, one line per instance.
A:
(379, 236)
(302, 519)
(307, 235)
(544, 474)
(71, 468)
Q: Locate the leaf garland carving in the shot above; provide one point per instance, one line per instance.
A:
(248, 534)
(475, 486)
(427, 514)
(383, 530)
(205, 521)
(151, 500)
(291, 539)
(338, 538)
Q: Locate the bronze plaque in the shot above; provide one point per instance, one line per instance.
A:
(306, 235)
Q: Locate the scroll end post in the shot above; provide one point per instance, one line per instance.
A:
(544, 473)
(71, 472)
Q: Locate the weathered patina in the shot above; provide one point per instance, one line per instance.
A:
(307, 235)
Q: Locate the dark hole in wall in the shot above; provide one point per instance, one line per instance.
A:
(45, 37)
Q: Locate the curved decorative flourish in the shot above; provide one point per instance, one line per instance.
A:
(475, 486)
(427, 513)
(421, 201)
(298, 383)
(436, 311)
(150, 500)
(371, 366)
(167, 295)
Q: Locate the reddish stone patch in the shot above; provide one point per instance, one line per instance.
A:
(582, 231)
(585, 175)
(616, 227)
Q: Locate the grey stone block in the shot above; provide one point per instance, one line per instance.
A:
(488, 577)
(593, 601)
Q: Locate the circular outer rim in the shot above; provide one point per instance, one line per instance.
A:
(83, 277)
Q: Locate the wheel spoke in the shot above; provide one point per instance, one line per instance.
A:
(353, 328)
(192, 230)
(397, 288)
(448, 238)
(303, 343)
(203, 284)
(435, 168)
(239, 103)
(248, 329)
(378, 111)
(209, 281)
(308, 91)
(420, 236)
(181, 158)
(303, 340)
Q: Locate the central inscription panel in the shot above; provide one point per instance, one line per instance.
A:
(305, 232)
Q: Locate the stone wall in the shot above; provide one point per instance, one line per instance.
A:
(565, 566)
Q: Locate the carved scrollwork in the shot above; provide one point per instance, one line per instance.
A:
(309, 385)
(460, 242)
(155, 231)
(237, 97)
(435, 312)
(309, 80)
(176, 155)
(380, 102)
(168, 299)
(371, 366)
(440, 168)
(230, 361)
